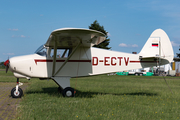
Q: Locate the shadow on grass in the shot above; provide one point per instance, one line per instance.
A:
(53, 91)
(91, 94)
(49, 90)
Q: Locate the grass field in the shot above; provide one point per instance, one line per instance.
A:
(102, 97)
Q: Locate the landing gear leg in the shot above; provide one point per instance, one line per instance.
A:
(64, 86)
(17, 92)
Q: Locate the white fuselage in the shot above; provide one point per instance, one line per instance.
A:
(84, 62)
(68, 53)
(78, 58)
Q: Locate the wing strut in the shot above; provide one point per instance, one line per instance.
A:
(54, 57)
(64, 53)
(80, 42)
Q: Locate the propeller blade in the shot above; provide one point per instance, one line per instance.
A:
(7, 67)
(6, 63)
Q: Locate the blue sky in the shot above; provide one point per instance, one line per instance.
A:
(27, 24)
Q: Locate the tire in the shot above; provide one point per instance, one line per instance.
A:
(136, 74)
(18, 94)
(141, 74)
(68, 92)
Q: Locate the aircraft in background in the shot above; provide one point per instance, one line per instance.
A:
(68, 53)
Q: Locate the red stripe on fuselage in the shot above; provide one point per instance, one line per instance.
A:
(142, 61)
(131, 61)
(61, 61)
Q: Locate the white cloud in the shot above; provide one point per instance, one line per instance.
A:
(16, 36)
(174, 44)
(123, 45)
(13, 29)
(134, 45)
(164, 8)
(22, 36)
(108, 34)
(172, 14)
(8, 54)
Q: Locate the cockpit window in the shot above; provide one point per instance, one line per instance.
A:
(41, 50)
(61, 53)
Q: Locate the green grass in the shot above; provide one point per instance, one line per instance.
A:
(9, 77)
(103, 97)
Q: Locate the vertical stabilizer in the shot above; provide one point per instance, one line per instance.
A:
(159, 46)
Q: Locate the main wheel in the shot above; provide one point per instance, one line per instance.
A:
(17, 94)
(68, 92)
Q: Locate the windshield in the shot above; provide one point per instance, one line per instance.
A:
(41, 50)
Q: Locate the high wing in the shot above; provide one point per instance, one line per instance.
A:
(71, 37)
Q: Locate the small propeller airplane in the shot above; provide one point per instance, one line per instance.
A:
(68, 53)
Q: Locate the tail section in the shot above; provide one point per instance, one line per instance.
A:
(158, 46)
(157, 51)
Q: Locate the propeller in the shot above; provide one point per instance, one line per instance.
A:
(6, 63)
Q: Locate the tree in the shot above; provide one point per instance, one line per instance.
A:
(105, 43)
(2, 65)
(178, 54)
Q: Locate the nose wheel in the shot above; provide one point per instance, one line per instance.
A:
(17, 92)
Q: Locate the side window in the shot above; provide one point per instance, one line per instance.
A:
(61, 53)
